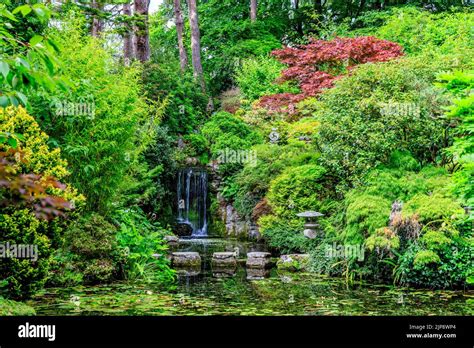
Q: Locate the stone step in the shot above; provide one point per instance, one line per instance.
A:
(258, 260)
(186, 259)
(223, 260)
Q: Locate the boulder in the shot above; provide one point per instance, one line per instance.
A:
(258, 260)
(183, 229)
(186, 259)
(293, 262)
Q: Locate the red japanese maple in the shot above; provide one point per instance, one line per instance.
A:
(29, 190)
(319, 64)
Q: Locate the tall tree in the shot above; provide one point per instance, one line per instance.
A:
(128, 53)
(253, 10)
(183, 57)
(142, 37)
(196, 43)
(97, 21)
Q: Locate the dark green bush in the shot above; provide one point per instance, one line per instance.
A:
(93, 249)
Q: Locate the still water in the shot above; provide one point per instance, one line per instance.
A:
(280, 294)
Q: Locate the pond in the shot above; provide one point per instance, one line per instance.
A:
(279, 294)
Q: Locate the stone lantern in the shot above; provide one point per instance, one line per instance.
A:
(311, 227)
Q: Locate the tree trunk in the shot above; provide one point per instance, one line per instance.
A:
(97, 22)
(128, 53)
(183, 57)
(196, 43)
(142, 40)
(253, 10)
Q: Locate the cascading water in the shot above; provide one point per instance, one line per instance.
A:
(192, 200)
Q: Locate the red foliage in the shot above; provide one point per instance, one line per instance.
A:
(319, 64)
(29, 189)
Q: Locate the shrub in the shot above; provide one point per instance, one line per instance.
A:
(24, 276)
(185, 103)
(411, 221)
(225, 131)
(298, 189)
(252, 182)
(9, 307)
(21, 226)
(319, 64)
(387, 107)
(462, 114)
(365, 214)
(420, 31)
(145, 248)
(283, 234)
(93, 249)
(257, 78)
(100, 143)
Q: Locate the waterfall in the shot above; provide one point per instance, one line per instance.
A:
(192, 200)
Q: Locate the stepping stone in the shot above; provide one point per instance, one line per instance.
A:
(186, 259)
(258, 260)
(224, 260)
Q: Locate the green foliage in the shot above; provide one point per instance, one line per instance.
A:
(425, 257)
(27, 59)
(284, 234)
(225, 132)
(365, 215)
(298, 189)
(252, 182)
(100, 142)
(144, 247)
(431, 207)
(462, 114)
(258, 76)
(93, 249)
(387, 107)
(444, 268)
(186, 104)
(426, 238)
(421, 31)
(25, 276)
